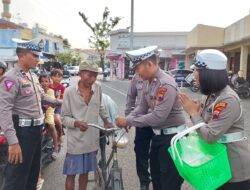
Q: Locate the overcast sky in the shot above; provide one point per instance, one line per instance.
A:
(61, 16)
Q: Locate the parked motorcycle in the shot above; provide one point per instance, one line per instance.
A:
(191, 81)
(242, 89)
(47, 147)
(239, 85)
(3, 157)
(193, 87)
(66, 78)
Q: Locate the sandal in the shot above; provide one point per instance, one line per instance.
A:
(39, 184)
(54, 155)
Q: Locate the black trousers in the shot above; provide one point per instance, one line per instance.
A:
(143, 137)
(163, 171)
(24, 176)
(243, 185)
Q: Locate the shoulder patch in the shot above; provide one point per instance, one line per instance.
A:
(8, 84)
(161, 93)
(218, 108)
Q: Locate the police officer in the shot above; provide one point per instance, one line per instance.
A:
(166, 117)
(143, 135)
(221, 110)
(21, 117)
(3, 68)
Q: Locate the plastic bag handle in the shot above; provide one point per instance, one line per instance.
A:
(180, 135)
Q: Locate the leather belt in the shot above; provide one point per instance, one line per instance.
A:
(31, 122)
(232, 137)
(169, 130)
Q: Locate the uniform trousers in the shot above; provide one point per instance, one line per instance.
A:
(243, 185)
(163, 171)
(143, 137)
(24, 176)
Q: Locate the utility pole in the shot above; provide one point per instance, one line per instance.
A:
(132, 25)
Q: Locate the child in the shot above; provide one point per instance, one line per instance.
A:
(56, 76)
(49, 112)
(44, 80)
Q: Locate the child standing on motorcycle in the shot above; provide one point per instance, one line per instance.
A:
(44, 80)
(56, 76)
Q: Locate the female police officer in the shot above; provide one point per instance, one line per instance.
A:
(220, 109)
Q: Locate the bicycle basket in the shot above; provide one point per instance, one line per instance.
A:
(204, 166)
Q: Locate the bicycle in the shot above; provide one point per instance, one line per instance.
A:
(109, 177)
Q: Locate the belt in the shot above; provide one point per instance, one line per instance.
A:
(31, 122)
(232, 137)
(169, 130)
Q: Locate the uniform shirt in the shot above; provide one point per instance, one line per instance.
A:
(74, 108)
(20, 96)
(49, 113)
(222, 114)
(134, 94)
(160, 96)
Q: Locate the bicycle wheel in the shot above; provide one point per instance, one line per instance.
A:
(99, 181)
(116, 179)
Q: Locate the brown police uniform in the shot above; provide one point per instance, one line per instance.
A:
(222, 113)
(143, 135)
(166, 118)
(21, 119)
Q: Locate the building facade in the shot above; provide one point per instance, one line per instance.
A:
(233, 40)
(171, 45)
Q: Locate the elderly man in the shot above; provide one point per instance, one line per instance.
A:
(166, 116)
(21, 117)
(82, 104)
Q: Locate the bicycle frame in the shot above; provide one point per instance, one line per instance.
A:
(112, 178)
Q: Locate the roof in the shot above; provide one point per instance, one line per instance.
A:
(4, 24)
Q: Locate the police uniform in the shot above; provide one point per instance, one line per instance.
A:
(222, 113)
(143, 135)
(166, 119)
(21, 119)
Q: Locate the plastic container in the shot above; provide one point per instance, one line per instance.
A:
(204, 166)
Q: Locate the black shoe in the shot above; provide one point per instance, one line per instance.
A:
(144, 187)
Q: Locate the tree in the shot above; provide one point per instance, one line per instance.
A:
(76, 58)
(66, 43)
(101, 31)
(65, 58)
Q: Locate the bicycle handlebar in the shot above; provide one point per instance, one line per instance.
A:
(104, 129)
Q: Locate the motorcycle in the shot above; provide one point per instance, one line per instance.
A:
(47, 147)
(191, 81)
(242, 89)
(65, 81)
(193, 87)
(3, 157)
(239, 85)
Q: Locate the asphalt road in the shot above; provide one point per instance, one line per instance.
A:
(116, 89)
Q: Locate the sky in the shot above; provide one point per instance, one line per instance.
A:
(61, 16)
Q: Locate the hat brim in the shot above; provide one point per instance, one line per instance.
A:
(37, 53)
(91, 70)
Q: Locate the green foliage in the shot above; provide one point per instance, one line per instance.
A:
(101, 31)
(65, 58)
(66, 43)
(76, 58)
